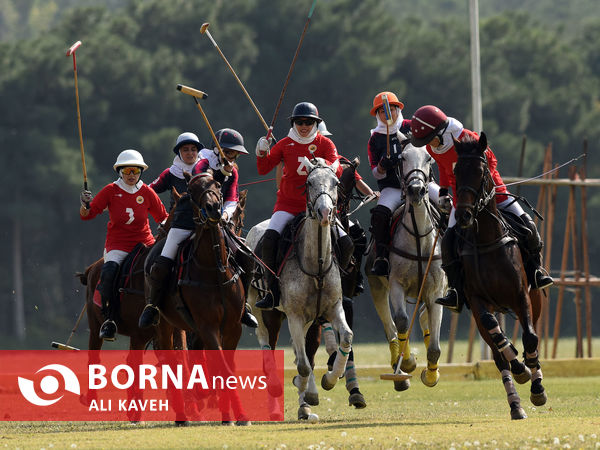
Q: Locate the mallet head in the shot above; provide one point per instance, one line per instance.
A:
(191, 91)
(204, 27)
(73, 47)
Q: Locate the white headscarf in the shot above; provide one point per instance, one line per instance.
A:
(127, 188)
(179, 167)
(294, 135)
(381, 126)
(453, 130)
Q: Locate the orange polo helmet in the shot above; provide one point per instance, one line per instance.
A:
(378, 101)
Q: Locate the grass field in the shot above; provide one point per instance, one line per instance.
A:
(454, 414)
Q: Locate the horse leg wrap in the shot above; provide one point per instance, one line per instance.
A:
(502, 343)
(426, 337)
(409, 363)
(330, 341)
(531, 360)
(351, 378)
(509, 387)
(394, 351)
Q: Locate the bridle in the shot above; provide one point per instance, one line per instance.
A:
(483, 194)
(201, 217)
(310, 204)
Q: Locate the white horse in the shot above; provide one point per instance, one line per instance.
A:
(409, 252)
(310, 286)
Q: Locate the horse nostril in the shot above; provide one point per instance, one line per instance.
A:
(422, 192)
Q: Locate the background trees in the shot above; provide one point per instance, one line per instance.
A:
(539, 78)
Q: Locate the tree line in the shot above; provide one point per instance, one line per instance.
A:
(537, 80)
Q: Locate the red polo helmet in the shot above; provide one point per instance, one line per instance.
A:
(427, 122)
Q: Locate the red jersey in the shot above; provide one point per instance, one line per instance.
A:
(290, 196)
(447, 160)
(128, 223)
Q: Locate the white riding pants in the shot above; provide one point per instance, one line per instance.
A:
(279, 220)
(507, 205)
(175, 237)
(115, 256)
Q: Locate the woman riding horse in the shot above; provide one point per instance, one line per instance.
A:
(495, 279)
(226, 173)
(431, 127)
(129, 201)
(303, 140)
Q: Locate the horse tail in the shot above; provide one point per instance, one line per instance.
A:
(83, 276)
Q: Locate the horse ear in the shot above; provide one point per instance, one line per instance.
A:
(176, 194)
(187, 176)
(482, 142)
(356, 162)
(309, 165)
(210, 172)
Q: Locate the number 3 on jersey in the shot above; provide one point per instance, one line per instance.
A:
(131, 217)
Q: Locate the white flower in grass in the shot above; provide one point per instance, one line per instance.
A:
(593, 435)
(73, 445)
(476, 443)
(566, 446)
(467, 444)
(343, 434)
(581, 438)
(556, 441)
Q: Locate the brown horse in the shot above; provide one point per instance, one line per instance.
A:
(494, 274)
(209, 297)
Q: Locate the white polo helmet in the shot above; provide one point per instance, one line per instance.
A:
(130, 158)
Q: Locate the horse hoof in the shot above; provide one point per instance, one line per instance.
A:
(357, 400)
(538, 399)
(517, 413)
(325, 384)
(430, 377)
(243, 423)
(274, 388)
(410, 364)
(401, 385)
(227, 423)
(303, 412)
(181, 423)
(522, 377)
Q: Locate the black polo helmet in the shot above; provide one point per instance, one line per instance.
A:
(231, 139)
(305, 109)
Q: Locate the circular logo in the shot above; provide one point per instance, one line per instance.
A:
(312, 148)
(139, 199)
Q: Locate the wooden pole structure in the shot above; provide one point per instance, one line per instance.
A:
(576, 275)
(586, 257)
(551, 208)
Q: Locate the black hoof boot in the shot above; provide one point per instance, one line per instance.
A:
(267, 302)
(381, 267)
(450, 301)
(150, 317)
(108, 330)
(248, 319)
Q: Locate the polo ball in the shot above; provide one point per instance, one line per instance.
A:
(313, 418)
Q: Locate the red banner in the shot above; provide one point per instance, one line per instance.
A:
(113, 385)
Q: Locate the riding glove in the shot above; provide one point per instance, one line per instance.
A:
(262, 146)
(85, 198)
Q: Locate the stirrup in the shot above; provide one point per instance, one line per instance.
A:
(267, 302)
(150, 317)
(542, 280)
(450, 301)
(381, 267)
(108, 330)
(248, 319)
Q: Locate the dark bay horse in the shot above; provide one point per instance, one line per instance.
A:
(209, 297)
(494, 274)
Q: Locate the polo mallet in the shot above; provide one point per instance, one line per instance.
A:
(66, 346)
(196, 94)
(204, 30)
(398, 374)
(287, 79)
(388, 120)
(71, 52)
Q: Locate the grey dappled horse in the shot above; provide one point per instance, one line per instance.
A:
(409, 252)
(310, 284)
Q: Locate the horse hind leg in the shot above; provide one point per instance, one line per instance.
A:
(431, 321)
(530, 343)
(520, 371)
(514, 401)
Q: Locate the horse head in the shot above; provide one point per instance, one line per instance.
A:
(205, 195)
(415, 173)
(321, 191)
(474, 185)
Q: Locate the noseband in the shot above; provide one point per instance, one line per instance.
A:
(482, 197)
(202, 218)
(310, 204)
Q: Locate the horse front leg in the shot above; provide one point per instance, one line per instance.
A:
(484, 321)
(431, 321)
(338, 320)
(380, 294)
(402, 321)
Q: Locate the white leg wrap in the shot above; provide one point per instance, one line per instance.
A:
(509, 387)
(329, 335)
(351, 378)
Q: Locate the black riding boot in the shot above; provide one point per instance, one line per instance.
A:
(269, 256)
(454, 298)
(537, 276)
(360, 244)
(380, 227)
(247, 318)
(106, 286)
(346, 247)
(246, 262)
(158, 283)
